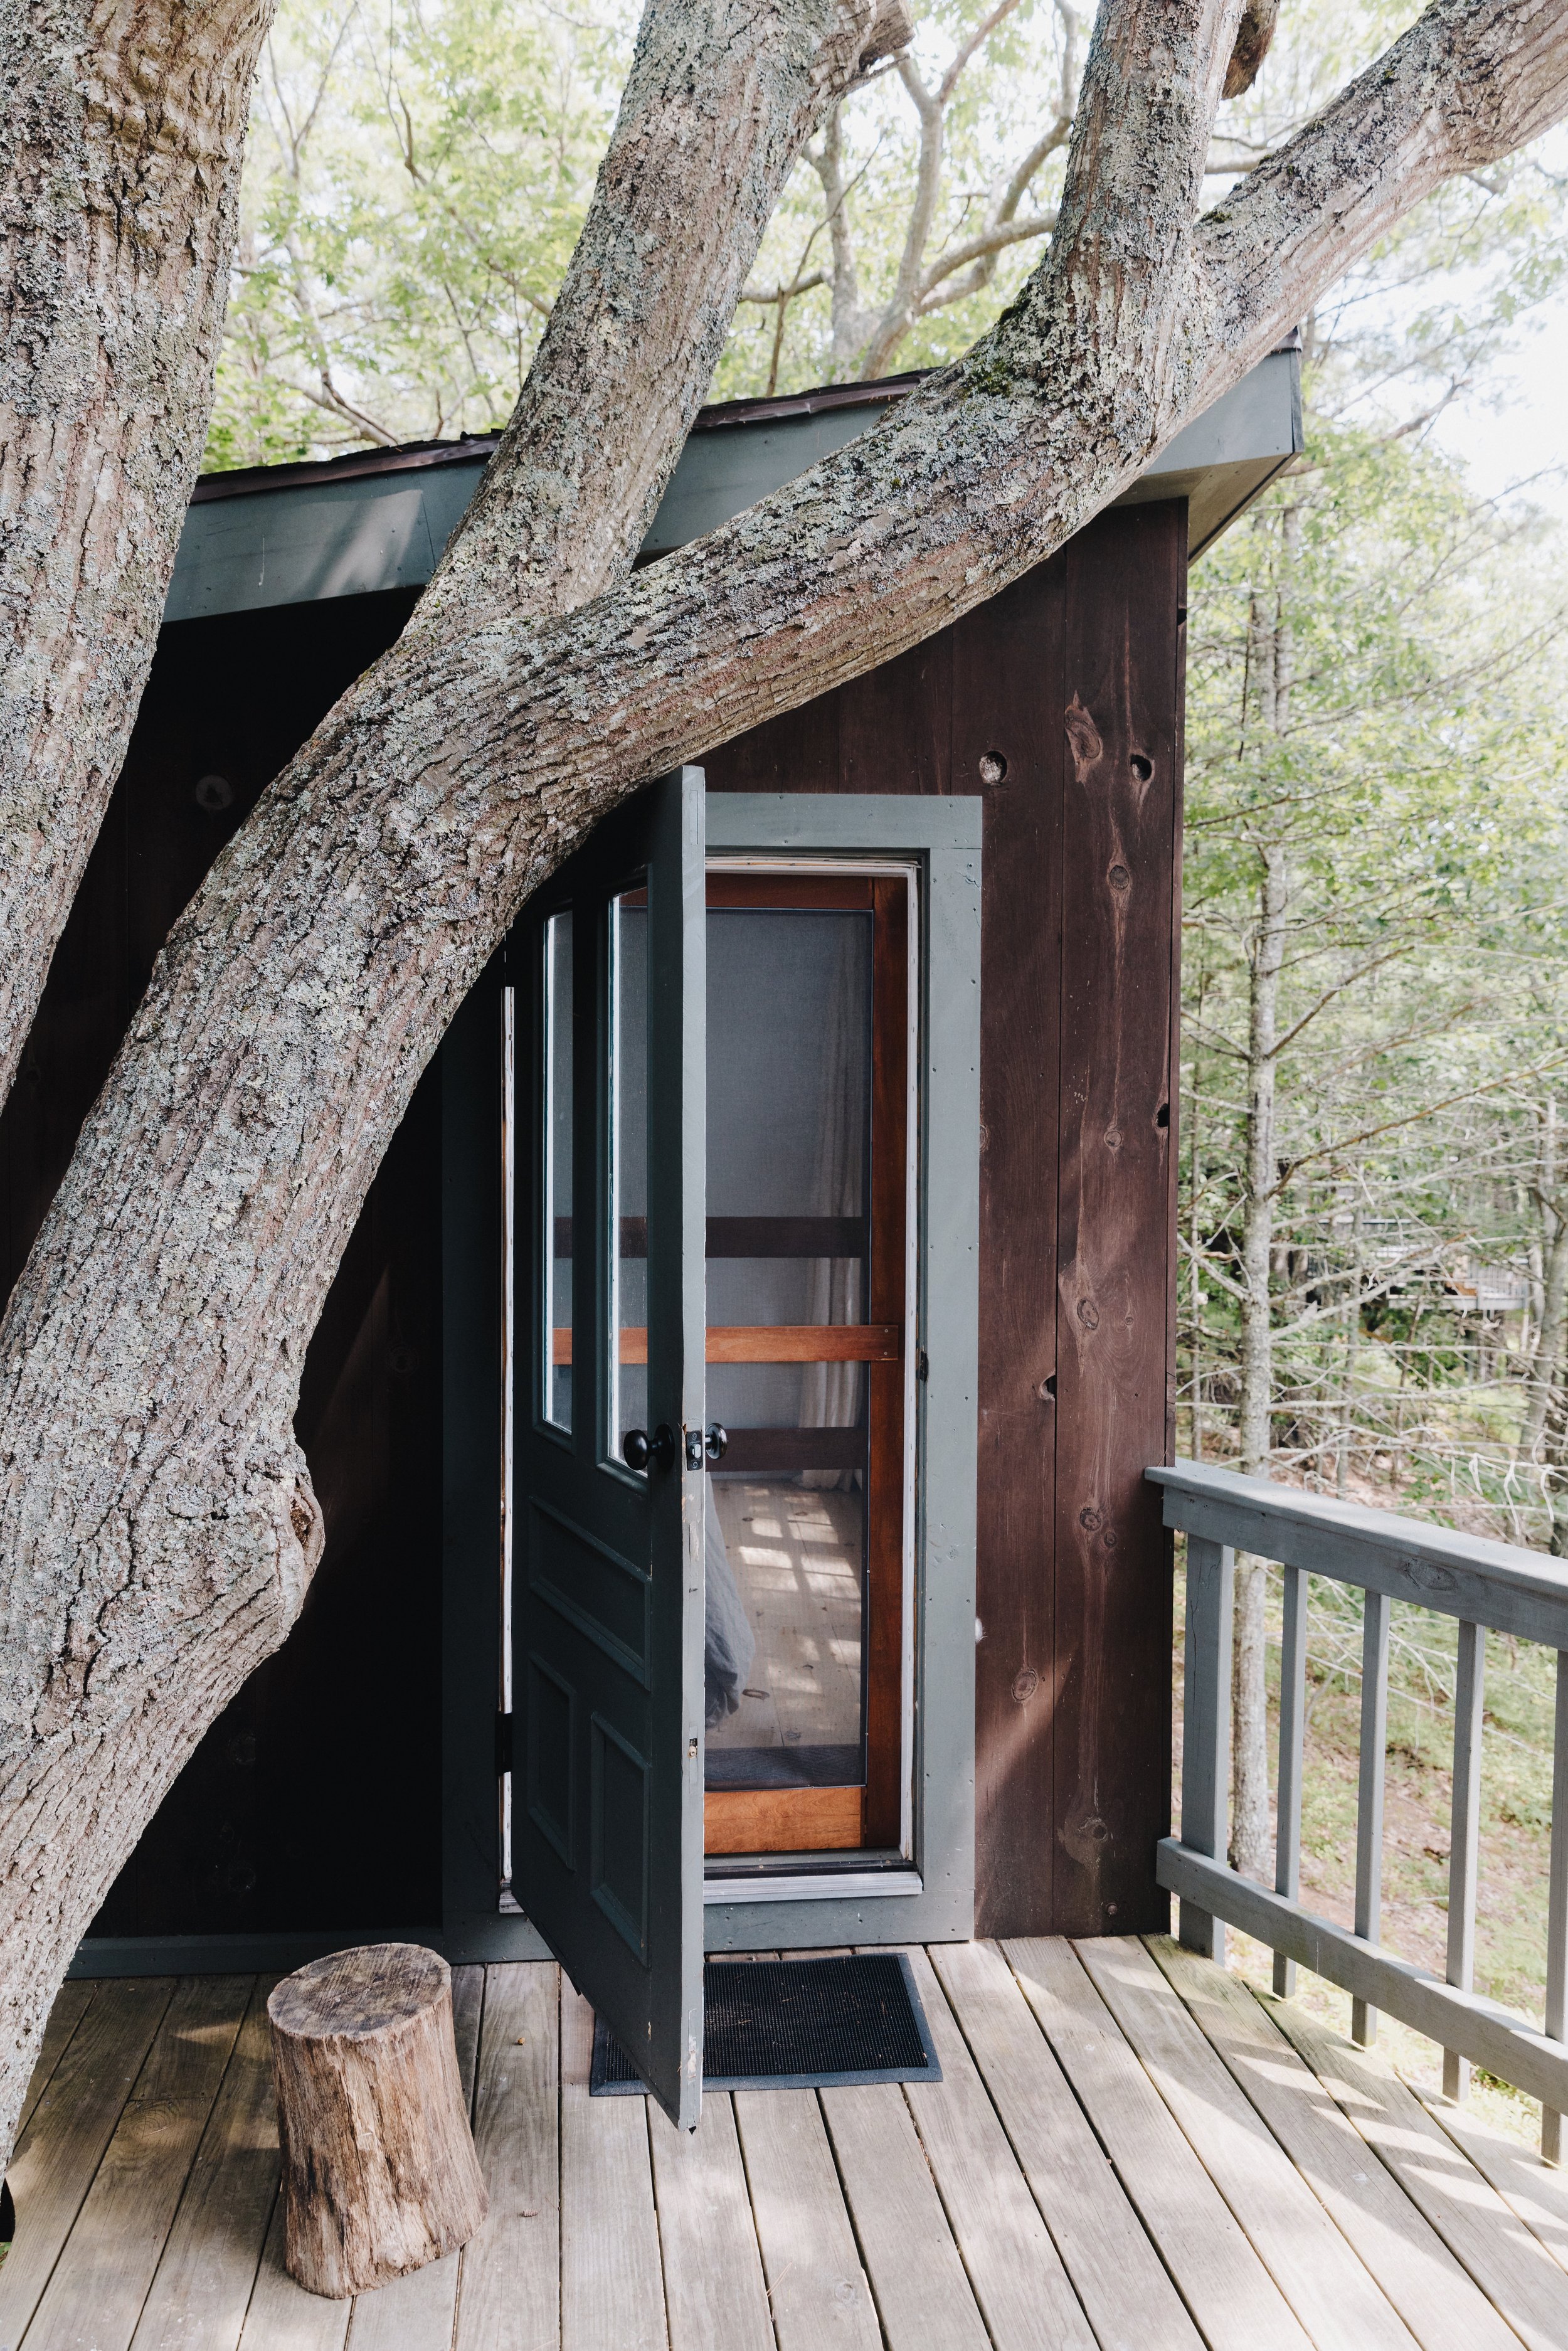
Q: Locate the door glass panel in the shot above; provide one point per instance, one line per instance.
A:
(783, 1665)
(788, 1235)
(627, 1339)
(555, 1378)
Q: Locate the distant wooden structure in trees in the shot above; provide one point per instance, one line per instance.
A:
(942, 945)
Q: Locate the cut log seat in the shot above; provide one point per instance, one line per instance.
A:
(378, 2170)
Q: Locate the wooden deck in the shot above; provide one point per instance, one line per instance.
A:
(1127, 2152)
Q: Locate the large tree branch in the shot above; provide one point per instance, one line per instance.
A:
(1468, 83)
(719, 102)
(120, 142)
(141, 1610)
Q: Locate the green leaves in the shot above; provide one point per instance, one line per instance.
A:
(413, 189)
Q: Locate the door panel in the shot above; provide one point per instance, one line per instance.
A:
(608, 1616)
(807, 1176)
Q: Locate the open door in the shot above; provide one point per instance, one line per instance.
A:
(608, 1556)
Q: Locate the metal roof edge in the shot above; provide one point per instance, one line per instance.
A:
(479, 448)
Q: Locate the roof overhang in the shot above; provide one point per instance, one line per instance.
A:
(379, 518)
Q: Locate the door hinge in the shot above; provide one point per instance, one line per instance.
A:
(503, 1743)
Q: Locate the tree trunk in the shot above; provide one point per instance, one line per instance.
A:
(1554, 1323)
(122, 135)
(1348, 1378)
(156, 1524)
(380, 2175)
(192, 1517)
(1249, 1849)
(1554, 1458)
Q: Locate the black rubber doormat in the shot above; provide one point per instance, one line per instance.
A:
(796, 2024)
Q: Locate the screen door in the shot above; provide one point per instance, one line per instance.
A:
(608, 1612)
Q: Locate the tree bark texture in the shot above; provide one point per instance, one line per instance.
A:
(223, 1596)
(380, 2175)
(156, 1518)
(122, 135)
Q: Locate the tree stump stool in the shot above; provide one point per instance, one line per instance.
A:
(378, 2170)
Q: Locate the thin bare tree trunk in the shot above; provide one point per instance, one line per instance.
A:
(156, 1525)
(1553, 1329)
(1555, 1457)
(1194, 1121)
(1347, 1382)
(121, 133)
(1250, 1820)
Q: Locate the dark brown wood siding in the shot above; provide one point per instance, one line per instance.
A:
(1065, 689)
(314, 1801)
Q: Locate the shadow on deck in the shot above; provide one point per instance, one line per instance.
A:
(1130, 2150)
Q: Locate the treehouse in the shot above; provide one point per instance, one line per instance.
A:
(742, 1419)
(931, 1216)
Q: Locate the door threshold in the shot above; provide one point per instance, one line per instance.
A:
(826, 1882)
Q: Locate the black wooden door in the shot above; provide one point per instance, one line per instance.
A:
(608, 1566)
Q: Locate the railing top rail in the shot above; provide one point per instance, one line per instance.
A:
(1469, 1576)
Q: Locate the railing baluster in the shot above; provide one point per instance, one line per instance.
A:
(1206, 1732)
(1292, 1727)
(1557, 1906)
(1369, 1806)
(1464, 1828)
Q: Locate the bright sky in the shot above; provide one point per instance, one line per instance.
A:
(1518, 425)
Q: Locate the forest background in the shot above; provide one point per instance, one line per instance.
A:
(1374, 1291)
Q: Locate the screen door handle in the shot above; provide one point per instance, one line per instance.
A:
(638, 1449)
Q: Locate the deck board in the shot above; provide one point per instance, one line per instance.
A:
(1114, 2266)
(1014, 2268)
(817, 2287)
(97, 2296)
(1509, 2264)
(1114, 2123)
(1536, 2191)
(57, 2157)
(1437, 2300)
(917, 2276)
(715, 2294)
(64, 2017)
(611, 2280)
(1218, 2271)
(1315, 2267)
(511, 2271)
(205, 2279)
(282, 2316)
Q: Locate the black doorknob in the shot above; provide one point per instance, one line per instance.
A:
(717, 1440)
(638, 1449)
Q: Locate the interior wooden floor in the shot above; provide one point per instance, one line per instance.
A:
(1128, 2150)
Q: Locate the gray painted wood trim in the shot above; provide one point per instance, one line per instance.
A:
(1459, 1958)
(1557, 1909)
(1480, 1581)
(1372, 1776)
(941, 838)
(1478, 2028)
(1293, 1742)
(297, 541)
(1206, 1729)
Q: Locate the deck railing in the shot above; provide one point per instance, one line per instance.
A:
(1487, 1586)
